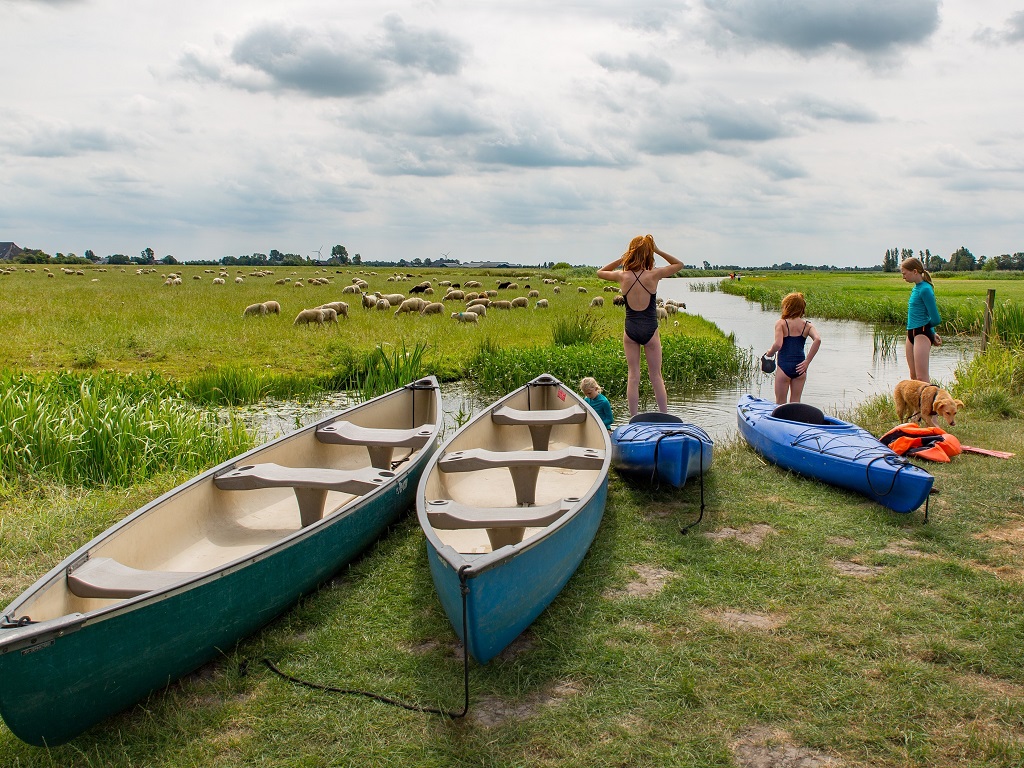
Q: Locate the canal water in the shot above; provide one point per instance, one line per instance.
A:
(846, 371)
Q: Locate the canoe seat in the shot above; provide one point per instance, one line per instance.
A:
(310, 484)
(539, 422)
(381, 443)
(505, 525)
(106, 578)
(524, 466)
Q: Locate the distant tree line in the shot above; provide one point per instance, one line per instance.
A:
(961, 260)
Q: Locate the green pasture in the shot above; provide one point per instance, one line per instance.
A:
(196, 334)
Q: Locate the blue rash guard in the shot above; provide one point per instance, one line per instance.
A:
(922, 310)
(603, 408)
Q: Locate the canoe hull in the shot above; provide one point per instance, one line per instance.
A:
(509, 586)
(661, 453)
(838, 453)
(63, 676)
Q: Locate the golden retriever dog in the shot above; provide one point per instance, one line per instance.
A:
(917, 400)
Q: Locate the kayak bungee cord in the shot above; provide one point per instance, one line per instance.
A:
(696, 433)
(464, 589)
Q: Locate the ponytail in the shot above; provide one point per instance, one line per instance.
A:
(913, 264)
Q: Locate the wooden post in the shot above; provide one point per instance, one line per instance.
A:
(989, 304)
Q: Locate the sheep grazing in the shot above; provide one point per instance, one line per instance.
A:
(420, 288)
(433, 308)
(520, 301)
(597, 301)
(541, 304)
(350, 289)
(410, 306)
(329, 315)
(533, 294)
(619, 301)
(340, 307)
(491, 294)
(465, 317)
(307, 316)
(556, 289)
(471, 284)
(393, 299)
(483, 301)
(502, 286)
(505, 304)
(239, 280)
(254, 309)
(478, 309)
(455, 296)
(383, 305)
(218, 281)
(662, 314)
(272, 307)
(581, 289)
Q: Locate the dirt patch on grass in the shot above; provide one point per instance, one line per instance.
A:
(753, 536)
(1006, 572)
(993, 685)
(842, 541)
(649, 581)
(770, 748)
(850, 568)
(905, 548)
(494, 711)
(747, 621)
(1010, 534)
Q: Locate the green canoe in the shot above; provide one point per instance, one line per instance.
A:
(191, 573)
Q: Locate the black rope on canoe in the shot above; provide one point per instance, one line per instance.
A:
(9, 623)
(464, 589)
(686, 528)
(656, 481)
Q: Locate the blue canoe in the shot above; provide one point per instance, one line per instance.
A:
(800, 438)
(509, 507)
(661, 448)
(181, 580)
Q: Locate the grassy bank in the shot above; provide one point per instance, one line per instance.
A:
(882, 298)
(798, 621)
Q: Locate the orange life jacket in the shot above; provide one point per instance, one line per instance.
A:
(924, 442)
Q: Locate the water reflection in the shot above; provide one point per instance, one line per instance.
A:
(845, 372)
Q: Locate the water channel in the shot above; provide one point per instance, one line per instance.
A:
(846, 371)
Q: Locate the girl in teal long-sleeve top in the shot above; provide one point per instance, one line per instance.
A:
(922, 318)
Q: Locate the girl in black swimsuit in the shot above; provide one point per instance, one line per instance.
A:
(636, 267)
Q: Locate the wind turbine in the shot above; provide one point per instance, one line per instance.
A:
(319, 253)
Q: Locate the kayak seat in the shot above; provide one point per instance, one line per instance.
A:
(380, 443)
(310, 484)
(505, 525)
(799, 412)
(524, 466)
(106, 578)
(655, 417)
(539, 422)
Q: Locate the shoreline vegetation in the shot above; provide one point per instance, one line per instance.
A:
(798, 621)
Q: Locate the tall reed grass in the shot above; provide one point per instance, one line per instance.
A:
(388, 367)
(687, 362)
(103, 428)
(239, 385)
(576, 329)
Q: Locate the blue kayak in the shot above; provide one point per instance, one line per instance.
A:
(800, 438)
(660, 448)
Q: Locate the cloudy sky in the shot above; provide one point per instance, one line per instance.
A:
(736, 131)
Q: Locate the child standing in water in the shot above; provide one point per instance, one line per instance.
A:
(790, 338)
(592, 394)
(922, 318)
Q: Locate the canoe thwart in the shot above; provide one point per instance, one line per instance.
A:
(524, 466)
(381, 443)
(106, 578)
(539, 422)
(310, 484)
(505, 525)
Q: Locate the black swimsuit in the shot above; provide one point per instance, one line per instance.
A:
(641, 324)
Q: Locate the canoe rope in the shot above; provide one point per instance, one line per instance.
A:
(697, 434)
(9, 623)
(464, 589)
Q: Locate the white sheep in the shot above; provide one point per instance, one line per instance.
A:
(541, 304)
(340, 307)
(411, 305)
(581, 289)
(520, 301)
(597, 301)
(433, 308)
(478, 309)
(307, 316)
(465, 317)
(534, 294)
(369, 301)
(254, 309)
(218, 281)
(272, 307)
(383, 304)
(330, 316)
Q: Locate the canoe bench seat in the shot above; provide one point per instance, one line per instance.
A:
(310, 484)
(539, 422)
(106, 578)
(505, 525)
(524, 466)
(381, 443)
